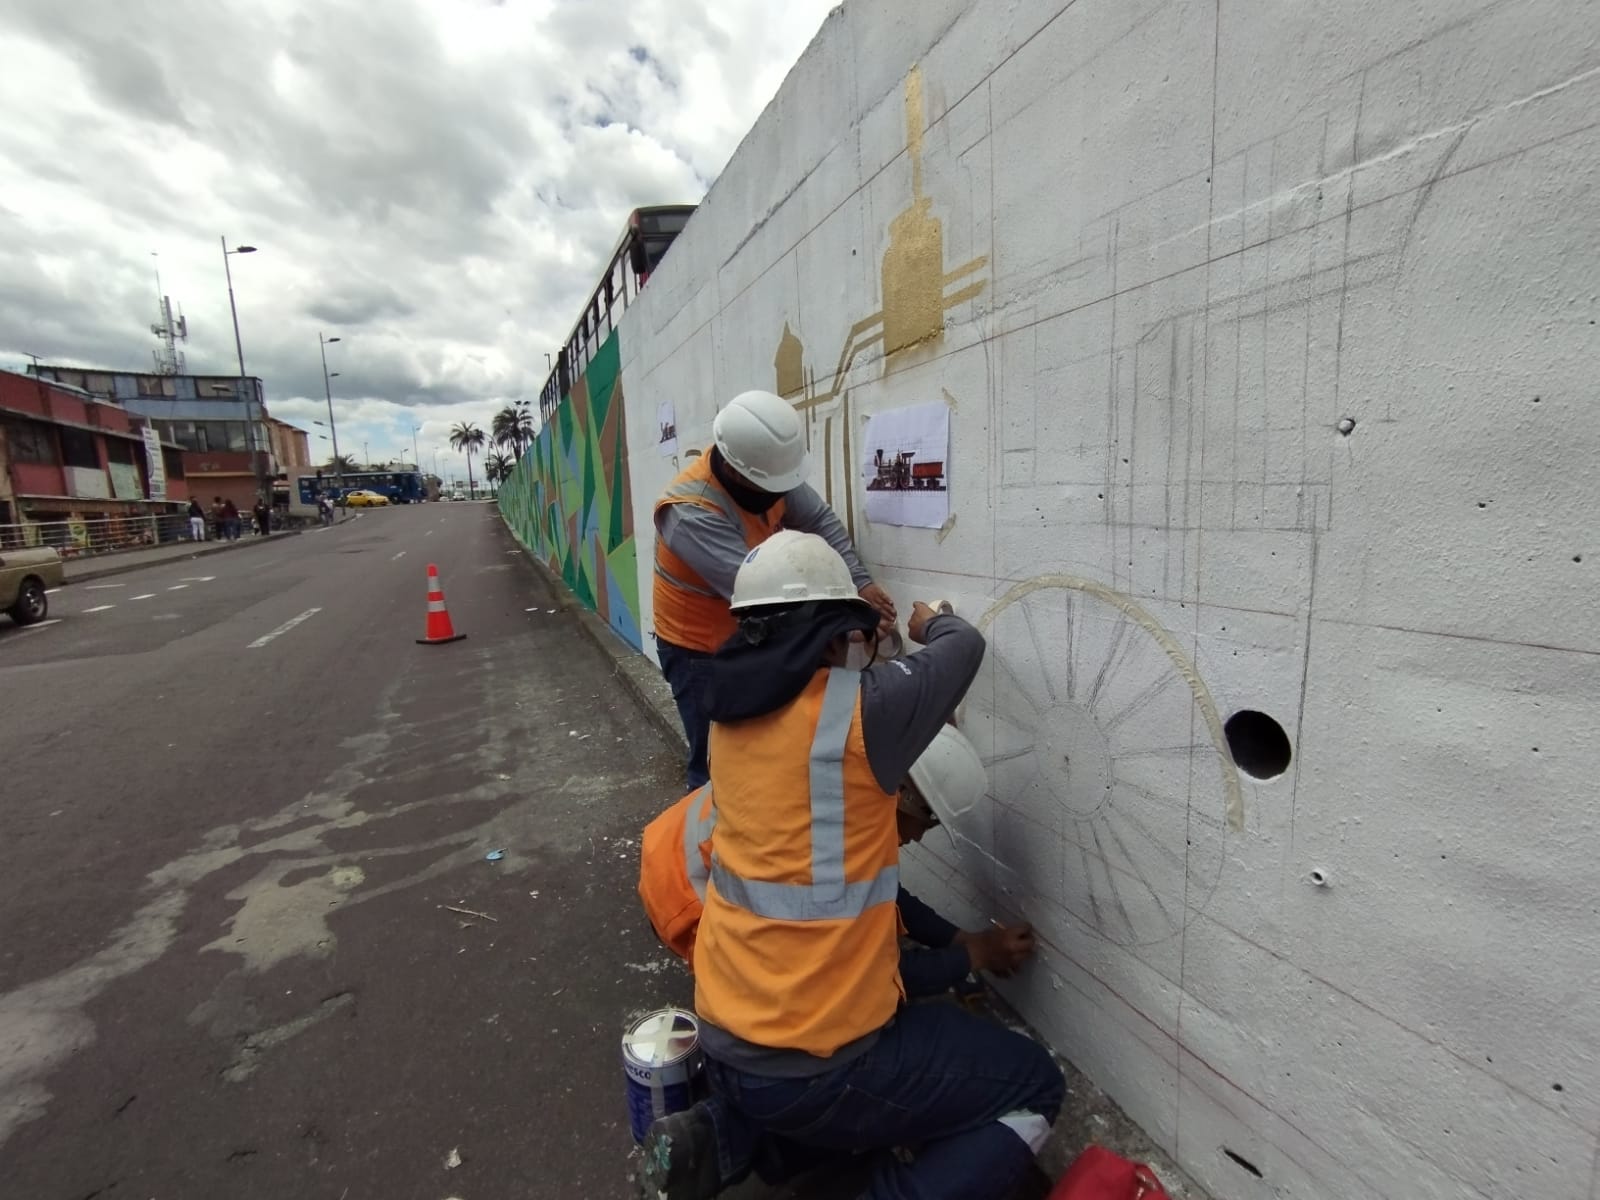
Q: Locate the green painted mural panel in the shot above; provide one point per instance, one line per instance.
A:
(569, 498)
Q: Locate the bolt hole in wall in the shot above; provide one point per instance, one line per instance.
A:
(1259, 746)
(1243, 1162)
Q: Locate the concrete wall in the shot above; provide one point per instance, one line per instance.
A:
(1268, 335)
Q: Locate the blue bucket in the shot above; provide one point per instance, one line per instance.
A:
(664, 1067)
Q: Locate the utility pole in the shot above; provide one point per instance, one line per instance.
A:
(327, 387)
(244, 382)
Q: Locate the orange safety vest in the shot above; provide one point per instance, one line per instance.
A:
(798, 946)
(674, 863)
(688, 611)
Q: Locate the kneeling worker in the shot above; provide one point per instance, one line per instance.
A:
(796, 959)
(945, 782)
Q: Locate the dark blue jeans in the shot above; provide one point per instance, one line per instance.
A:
(688, 671)
(966, 1093)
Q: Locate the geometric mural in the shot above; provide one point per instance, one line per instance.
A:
(569, 501)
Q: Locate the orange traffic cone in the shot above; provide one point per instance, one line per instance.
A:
(439, 627)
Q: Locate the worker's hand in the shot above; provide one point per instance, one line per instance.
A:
(999, 950)
(879, 599)
(917, 626)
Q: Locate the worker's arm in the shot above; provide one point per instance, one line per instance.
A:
(933, 972)
(706, 540)
(806, 511)
(923, 925)
(906, 700)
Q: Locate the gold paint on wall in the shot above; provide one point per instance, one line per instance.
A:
(913, 282)
(789, 364)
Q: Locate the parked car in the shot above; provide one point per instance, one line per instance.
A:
(362, 498)
(25, 575)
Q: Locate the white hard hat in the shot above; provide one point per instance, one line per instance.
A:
(791, 567)
(762, 438)
(950, 775)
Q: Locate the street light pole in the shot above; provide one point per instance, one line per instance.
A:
(416, 454)
(244, 381)
(327, 387)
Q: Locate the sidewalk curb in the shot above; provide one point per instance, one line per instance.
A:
(115, 568)
(640, 677)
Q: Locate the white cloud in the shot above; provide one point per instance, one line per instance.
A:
(435, 181)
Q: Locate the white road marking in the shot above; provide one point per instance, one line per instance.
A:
(177, 587)
(427, 533)
(100, 587)
(51, 591)
(146, 596)
(398, 557)
(197, 578)
(99, 608)
(42, 624)
(283, 629)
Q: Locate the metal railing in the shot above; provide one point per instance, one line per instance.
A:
(101, 535)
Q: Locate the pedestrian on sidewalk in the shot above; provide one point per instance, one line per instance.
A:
(197, 521)
(230, 520)
(219, 528)
(749, 485)
(263, 518)
(325, 510)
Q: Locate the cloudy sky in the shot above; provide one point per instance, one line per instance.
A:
(436, 182)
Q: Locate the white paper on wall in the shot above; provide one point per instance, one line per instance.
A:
(666, 428)
(904, 456)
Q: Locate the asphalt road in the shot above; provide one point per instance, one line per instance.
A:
(250, 945)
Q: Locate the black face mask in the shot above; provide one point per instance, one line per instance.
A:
(752, 500)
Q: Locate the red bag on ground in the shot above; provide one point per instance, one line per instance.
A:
(1098, 1174)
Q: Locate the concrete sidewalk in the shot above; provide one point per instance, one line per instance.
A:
(1089, 1114)
(81, 570)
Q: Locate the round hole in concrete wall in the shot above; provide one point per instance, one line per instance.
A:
(1258, 744)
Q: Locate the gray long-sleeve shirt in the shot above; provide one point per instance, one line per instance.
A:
(714, 546)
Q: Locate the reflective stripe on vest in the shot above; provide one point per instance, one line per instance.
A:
(695, 489)
(663, 573)
(827, 897)
(698, 829)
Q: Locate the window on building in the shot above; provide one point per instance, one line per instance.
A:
(185, 434)
(119, 450)
(78, 449)
(30, 442)
(237, 441)
(174, 462)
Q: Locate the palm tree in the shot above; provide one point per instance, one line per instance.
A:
(468, 437)
(497, 468)
(342, 464)
(513, 426)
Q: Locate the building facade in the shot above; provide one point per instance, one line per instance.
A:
(232, 448)
(67, 456)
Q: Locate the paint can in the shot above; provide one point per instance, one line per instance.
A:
(664, 1067)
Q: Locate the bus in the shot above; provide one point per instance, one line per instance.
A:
(649, 234)
(402, 485)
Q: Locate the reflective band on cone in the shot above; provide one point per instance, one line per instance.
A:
(439, 627)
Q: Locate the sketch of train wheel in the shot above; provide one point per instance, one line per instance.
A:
(1112, 782)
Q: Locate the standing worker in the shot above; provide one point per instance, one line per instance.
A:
(796, 958)
(722, 505)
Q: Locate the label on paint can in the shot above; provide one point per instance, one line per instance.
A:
(664, 1067)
